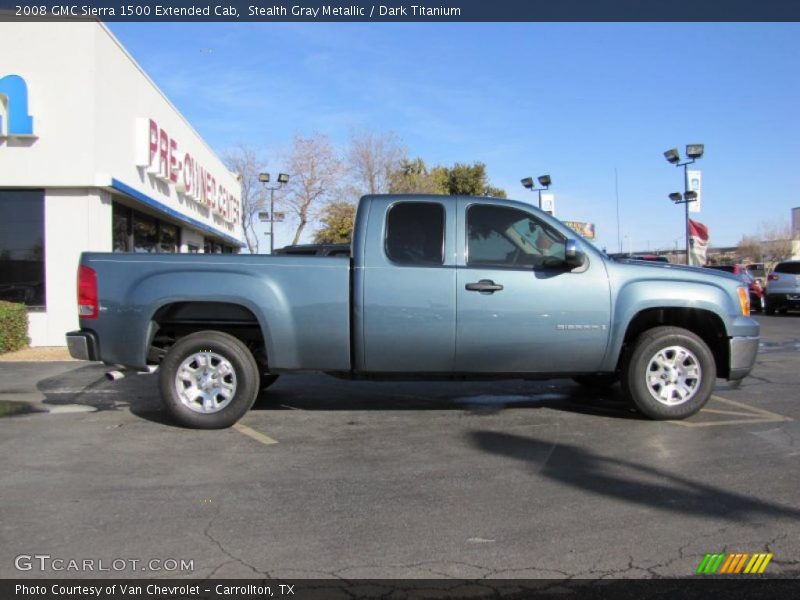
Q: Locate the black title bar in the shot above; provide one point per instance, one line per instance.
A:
(404, 11)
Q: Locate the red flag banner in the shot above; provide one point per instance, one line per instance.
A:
(698, 243)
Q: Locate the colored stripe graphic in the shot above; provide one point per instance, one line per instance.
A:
(734, 563)
(740, 565)
(710, 563)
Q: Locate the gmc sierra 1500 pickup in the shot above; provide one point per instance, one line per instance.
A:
(436, 287)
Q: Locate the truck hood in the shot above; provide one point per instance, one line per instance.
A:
(668, 271)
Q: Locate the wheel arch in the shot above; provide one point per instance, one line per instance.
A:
(705, 323)
(173, 320)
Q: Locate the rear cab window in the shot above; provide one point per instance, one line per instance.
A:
(789, 268)
(415, 234)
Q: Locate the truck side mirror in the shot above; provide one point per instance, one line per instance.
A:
(573, 256)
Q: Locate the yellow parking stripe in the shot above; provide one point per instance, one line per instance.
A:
(256, 435)
(765, 563)
(753, 564)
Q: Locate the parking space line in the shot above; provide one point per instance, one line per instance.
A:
(752, 415)
(256, 435)
(727, 412)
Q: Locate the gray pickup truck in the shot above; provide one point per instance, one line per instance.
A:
(436, 287)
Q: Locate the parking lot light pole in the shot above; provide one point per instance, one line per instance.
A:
(282, 179)
(693, 152)
(544, 182)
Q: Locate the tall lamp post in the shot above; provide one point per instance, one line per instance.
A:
(544, 182)
(282, 179)
(693, 152)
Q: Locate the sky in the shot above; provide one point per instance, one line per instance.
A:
(578, 101)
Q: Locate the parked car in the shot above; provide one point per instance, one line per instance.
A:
(759, 272)
(315, 250)
(783, 287)
(756, 288)
(438, 287)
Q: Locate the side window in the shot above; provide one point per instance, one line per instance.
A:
(507, 237)
(415, 233)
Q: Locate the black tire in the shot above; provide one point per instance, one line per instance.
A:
(769, 310)
(597, 381)
(642, 356)
(240, 362)
(267, 380)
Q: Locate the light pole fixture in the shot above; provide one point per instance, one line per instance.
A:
(693, 152)
(282, 179)
(544, 182)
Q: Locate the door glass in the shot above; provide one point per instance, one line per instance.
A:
(507, 237)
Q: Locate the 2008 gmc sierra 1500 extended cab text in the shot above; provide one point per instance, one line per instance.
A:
(436, 287)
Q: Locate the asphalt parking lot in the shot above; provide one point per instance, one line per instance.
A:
(326, 478)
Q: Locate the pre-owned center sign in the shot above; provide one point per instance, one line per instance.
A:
(160, 154)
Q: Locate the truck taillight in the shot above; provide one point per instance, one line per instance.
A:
(772, 277)
(87, 293)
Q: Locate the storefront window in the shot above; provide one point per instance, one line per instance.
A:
(22, 275)
(168, 237)
(145, 233)
(122, 228)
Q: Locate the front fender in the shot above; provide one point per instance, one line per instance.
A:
(634, 297)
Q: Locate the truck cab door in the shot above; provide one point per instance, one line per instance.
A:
(520, 308)
(408, 286)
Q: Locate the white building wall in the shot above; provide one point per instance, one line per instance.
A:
(76, 220)
(85, 95)
(54, 59)
(190, 236)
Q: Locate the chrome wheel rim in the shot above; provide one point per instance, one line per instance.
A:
(205, 382)
(673, 375)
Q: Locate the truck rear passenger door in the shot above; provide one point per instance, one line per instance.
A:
(409, 281)
(520, 309)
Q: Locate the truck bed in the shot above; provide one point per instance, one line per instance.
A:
(301, 303)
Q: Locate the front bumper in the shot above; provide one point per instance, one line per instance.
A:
(83, 345)
(743, 356)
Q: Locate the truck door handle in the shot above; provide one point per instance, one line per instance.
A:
(484, 285)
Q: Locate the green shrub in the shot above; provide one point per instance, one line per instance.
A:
(13, 326)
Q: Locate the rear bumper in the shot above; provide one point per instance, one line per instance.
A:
(790, 299)
(83, 345)
(743, 356)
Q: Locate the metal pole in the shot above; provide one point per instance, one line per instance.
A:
(686, 205)
(540, 198)
(271, 220)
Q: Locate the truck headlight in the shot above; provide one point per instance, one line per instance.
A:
(744, 300)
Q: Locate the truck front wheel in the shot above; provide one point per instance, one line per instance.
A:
(669, 373)
(208, 380)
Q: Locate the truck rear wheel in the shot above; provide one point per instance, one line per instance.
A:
(669, 373)
(208, 380)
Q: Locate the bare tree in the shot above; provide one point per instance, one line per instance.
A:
(748, 249)
(314, 172)
(771, 244)
(245, 162)
(776, 242)
(372, 157)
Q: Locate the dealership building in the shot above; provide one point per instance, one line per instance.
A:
(94, 157)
